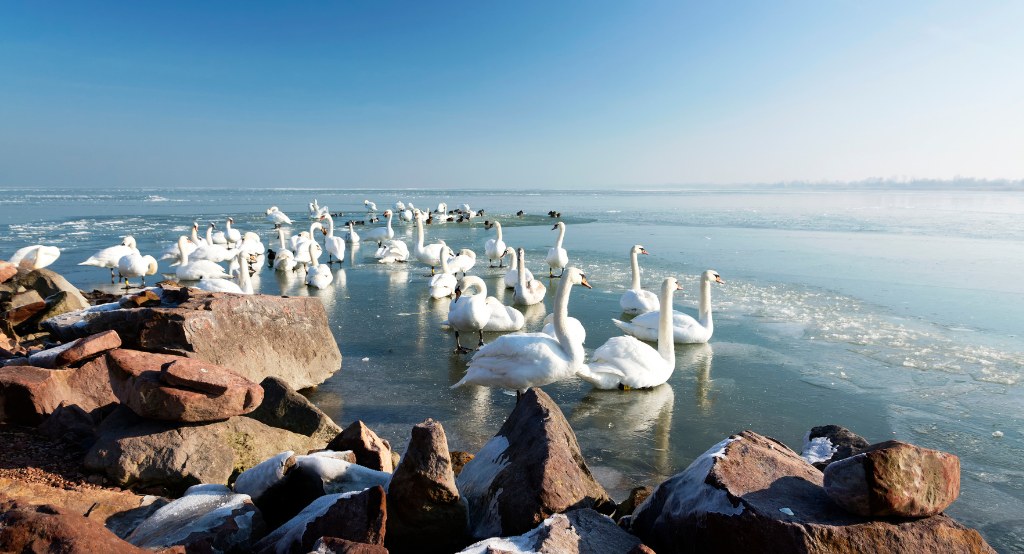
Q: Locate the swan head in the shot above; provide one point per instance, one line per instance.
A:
(128, 241)
(558, 225)
(637, 249)
(577, 277)
(671, 284)
(712, 275)
(231, 220)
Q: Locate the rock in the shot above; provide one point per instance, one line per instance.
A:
(752, 492)
(76, 351)
(581, 531)
(48, 283)
(7, 343)
(259, 478)
(144, 452)
(371, 451)
(426, 513)
(7, 270)
(17, 317)
(359, 517)
(25, 298)
(459, 460)
(830, 443)
(26, 528)
(635, 498)
(894, 478)
(334, 545)
(146, 297)
(57, 304)
(530, 470)
(144, 382)
(71, 424)
(256, 336)
(208, 518)
(28, 394)
(284, 408)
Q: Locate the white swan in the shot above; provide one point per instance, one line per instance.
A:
(512, 275)
(300, 246)
(502, 319)
(108, 257)
(335, 246)
(171, 252)
(370, 206)
(636, 300)
(134, 264)
(442, 208)
(213, 250)
(380, 234)
(574, 329)
(400, 206)
(394, 250)
(685, 329)
(318, 276)
(198, 269)
(444, 283)
(430, 254)
(284, 259)
(527, 292)
(242, 286)
(495, 248)
(520, 361)
(351, 237)
(463, 261)
(625, 362)
(557, 256)
(36, 256)
(277, 217)
(229, 235)
(468, 313)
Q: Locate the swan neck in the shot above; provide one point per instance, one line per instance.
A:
(521, 270)
(704, 313)
(280, 236)
(560, 323)
(182, 253)
(636, 270)
(561, 236)
(312, 254)
(419, 233)
(498, 225)
(666, 340)
(330, 225)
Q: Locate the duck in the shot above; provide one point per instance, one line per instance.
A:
(430, 254)
(133, 265)
(380, 234)
(277, 217)
(197, 269)
(284, 259)
(527, 292)
(685, 329)
(521, 361)
(636, 300)
(318, 276)
(468, 313)
(625, 362)
(36, 256)
(495, 247)
(108, 257)
(394, 250)
(335, 246)
(443, 284)
(557, 256)
(512, 275)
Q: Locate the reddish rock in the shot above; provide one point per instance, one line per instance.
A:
(255, 336)
(894, 478)
(285, 408)
(144, 298)
(635, 498)
(356, 517)
(21, 314)
(76, 351)
(459, 460)
(426, 513)
(7, 343)
(530, 470)
(830, 443)
(27, 528)
(7, 270)
(26, 297)
(48, 283)
(334, 545)
(371, 451)
(140, 381)
(28, 394)
(582, 531)
(752, 493)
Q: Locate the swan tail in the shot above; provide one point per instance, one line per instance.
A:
(622, 325)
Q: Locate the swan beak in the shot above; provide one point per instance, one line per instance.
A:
(644, 251)
(554, 227)
(583, 281)
(719, 280)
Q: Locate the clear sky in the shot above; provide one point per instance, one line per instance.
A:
(505, 94)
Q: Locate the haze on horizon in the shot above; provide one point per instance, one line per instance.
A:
(574, 94)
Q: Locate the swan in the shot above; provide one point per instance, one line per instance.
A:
(285, 259)
(380, 234)
(463, 261)
(335, 246)
(351, 237)
(685, 329)
(512, 275)
(212, 250)
(625, 362)
(495, 248)
(520, 361)
(319, 276)
(405, 213)
(198, 269)
(171, 252)
(442, 208)
(636, 300)
(133, 265)
(430, 254)
(557, 256)
(277, 217)
(502, 319)
(527, 292)
(444, 283)
(36, 256)
(400, 206)
(301, 245)
(370, 206)
(394, 250)
(468, 313)
(229, 235)
(244, 284)
(108, 257)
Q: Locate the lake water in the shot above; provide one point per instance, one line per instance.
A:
(895, 313)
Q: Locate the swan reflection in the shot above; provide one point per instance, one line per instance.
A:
(696, 360)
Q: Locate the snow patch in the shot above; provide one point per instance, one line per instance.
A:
(257, 479)
(475, 481)
(818, 449)
(202, 508)
(340, 476)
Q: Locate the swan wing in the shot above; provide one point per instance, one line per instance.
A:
(638, 364)
(518, 362)
(639, 301)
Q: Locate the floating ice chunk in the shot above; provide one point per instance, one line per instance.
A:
(366, 359)
(997, 434)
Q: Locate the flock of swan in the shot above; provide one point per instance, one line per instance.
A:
(515, 361)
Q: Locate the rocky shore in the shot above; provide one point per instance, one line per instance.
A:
(169, 421)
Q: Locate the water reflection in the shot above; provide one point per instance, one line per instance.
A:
(696, 359)
(353, 255)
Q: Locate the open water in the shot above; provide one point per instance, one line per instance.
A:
(896, 313)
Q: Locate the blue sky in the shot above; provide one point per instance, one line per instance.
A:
(512, 94)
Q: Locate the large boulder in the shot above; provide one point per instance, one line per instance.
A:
(208, 518)
(132, 450)
(284, 408)
(28, 394)
(28, 528)
(825, 444)
(751, 493)
(894, 478)
(358, 517)
(370, 450)
(76, 351)
(426, 513)
(175, 388)
(48, 283)
(256, 336)
(529, 471)
(7, 270)
(581, 531)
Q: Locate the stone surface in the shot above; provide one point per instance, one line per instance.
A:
(635, 498)
(285, 408)
(459, 460)
(208, 518)
(140, 381)
(47, 283)
(28, 394)
(257, 336)
(371, 451)
(752, 493)
(582, 531)
(426, 513)
(76, 351)
(358, 517)
(830, 443)
(136, 451)
(28, 528)
(7, 270)
(58, 304)
(894, 478)
(25, 298)
(334, 545)
(16, 317)
(530, 470)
